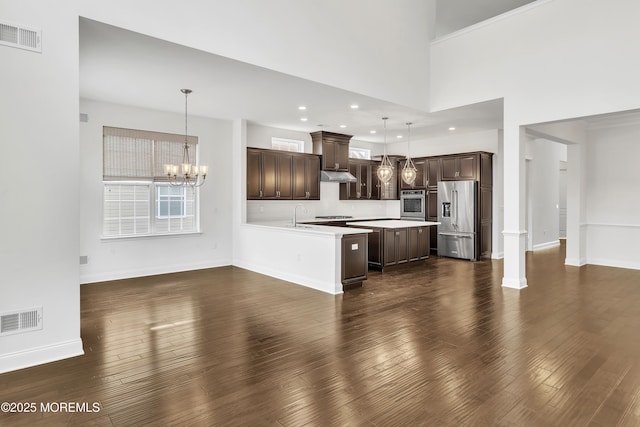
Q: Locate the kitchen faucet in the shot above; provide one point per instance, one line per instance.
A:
(295, 211)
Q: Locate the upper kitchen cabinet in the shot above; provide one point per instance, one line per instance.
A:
(334, 148)
(306, 177)
(366, 186)
(281, 175)
(433, 173)
(421, 173)
(269, 174)
(459, 167)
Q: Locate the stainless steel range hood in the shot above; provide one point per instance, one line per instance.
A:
(331, 176)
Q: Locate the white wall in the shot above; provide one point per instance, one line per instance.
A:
(39, 184)
(333, 42)
(558, 59)
(449, 144)
(111, 259)
(544, 185)
(613, 196)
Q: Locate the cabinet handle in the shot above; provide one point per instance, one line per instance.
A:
(260, 193)
(337, 166)
(397, 233)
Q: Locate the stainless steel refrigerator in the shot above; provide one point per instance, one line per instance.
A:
(457, 216)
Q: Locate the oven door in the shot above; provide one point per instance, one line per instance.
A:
(412, 207)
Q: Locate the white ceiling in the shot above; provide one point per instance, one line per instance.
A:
(128, 68)
(453, 15)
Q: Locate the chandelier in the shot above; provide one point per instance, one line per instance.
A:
(409, 170)
(385, 170)
(190, 174)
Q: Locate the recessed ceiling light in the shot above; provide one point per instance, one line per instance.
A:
(354, 106)
(302, 107)
(399, 137)
(372, 131)
(303, 119)
(452, 128)
(343, 126)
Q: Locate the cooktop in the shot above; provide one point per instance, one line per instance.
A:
(334, 217)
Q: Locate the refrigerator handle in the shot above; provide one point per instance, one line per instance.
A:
(454, 220)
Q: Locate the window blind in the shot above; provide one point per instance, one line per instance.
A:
(141, 155)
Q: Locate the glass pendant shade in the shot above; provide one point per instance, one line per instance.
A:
(385, 170)
(409, 171)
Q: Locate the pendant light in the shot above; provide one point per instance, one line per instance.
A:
(409, 170)
(385, 170)
(190, 174)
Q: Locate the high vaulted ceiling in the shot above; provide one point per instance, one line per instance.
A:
(128, 68)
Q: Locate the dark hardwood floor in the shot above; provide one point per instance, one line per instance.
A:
(436, 343)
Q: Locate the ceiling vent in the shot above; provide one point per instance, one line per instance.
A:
(20, 37)
(15, 322)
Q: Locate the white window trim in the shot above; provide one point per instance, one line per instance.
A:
(290, 143)
(366, 153)
(152, 215)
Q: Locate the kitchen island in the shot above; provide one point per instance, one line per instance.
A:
(326, 258)
(394, 242)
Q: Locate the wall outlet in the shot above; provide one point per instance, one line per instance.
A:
(84, 259)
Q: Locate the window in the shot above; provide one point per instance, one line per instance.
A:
(138, 199)
(287, 145)
(359, 153)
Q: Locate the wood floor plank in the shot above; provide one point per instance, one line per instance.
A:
(436, 343)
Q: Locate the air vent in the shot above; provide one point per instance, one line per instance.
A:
(15, 322)
(20, 37)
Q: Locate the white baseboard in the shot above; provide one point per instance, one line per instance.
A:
(40, 355)
(546, 245)
(514, 283)
(576, 262)
(632, 265)
(164, 269)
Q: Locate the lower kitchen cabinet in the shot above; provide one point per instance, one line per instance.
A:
(395, 246)
(419, 243)
(354, 259)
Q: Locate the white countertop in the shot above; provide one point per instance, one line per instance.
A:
(392, 223)
(287, 226)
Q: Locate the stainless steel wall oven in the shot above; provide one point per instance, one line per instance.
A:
(412, 205)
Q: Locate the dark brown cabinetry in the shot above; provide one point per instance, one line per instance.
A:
(421, 174)
(306, 177)
(334, 148)
(476, 166)
(366, 186)
(459, 167)
(431, 195)
(354, 259)
(419, 243)
(280, 175)
(395, 246)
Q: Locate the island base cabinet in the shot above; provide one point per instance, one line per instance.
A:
(354, 260)
(395, 246)
(419, 243)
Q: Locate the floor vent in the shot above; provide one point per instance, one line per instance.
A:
(20, 321)
(20, 37)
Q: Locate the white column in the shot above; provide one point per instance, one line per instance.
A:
(515, 235)
(576, 183)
